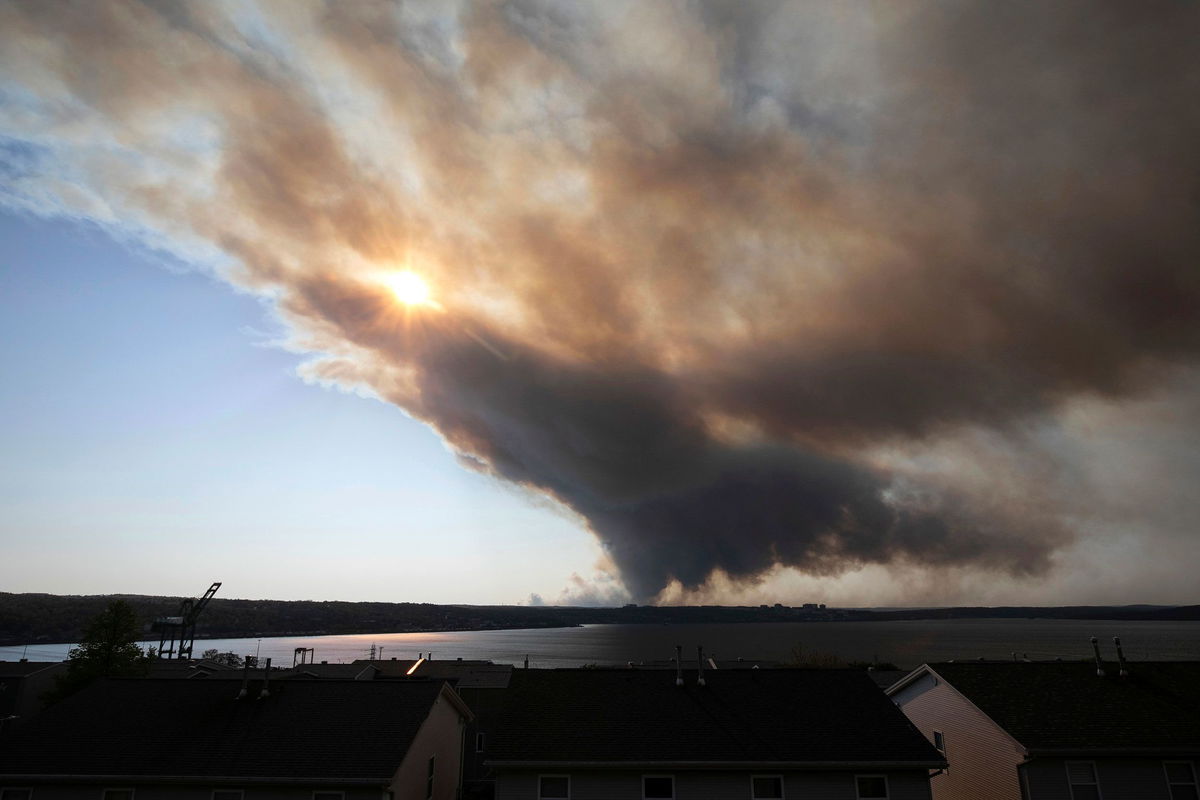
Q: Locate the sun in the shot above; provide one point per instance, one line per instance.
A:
(409, 288)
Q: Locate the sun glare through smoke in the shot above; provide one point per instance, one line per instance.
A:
(409, 288)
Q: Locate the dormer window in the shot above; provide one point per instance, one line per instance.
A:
(658, 787)
(766, 787)
(871, 787)
(1084, 783)
(1181, 779)
(554, 787)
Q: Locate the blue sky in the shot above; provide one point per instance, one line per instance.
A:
(152, 439)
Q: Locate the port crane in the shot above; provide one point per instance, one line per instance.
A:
(182, 627)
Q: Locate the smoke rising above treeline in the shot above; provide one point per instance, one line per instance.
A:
(745, 286)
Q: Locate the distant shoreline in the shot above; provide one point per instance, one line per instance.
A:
(33, 619)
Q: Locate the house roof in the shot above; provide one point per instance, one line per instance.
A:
(795, 716)
(357, 671)
(21, 669)
(1065, 706)
(327, 730)
(173, 668)
(461, 673)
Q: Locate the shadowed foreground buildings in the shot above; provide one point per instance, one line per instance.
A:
(746, 734)
(537, 734)
(148, 738)
(448, 729)
(1059, 731)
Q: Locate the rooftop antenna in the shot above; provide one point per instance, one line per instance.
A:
(241, 695)
(679, 665)
(1121, 656)
(1099, 663)
(266, 680)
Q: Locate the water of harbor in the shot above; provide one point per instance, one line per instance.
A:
(906, 643)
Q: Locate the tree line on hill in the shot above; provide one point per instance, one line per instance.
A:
(46, 618)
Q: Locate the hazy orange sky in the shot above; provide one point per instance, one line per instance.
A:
(882, 303)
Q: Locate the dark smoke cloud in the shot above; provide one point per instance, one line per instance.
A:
(697, 264)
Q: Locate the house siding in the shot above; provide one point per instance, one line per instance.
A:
(983, 759)
(21, 696)
(1120, 779)
(709, 785)
(440, 736)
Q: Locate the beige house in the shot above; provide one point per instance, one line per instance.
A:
(1059, 730)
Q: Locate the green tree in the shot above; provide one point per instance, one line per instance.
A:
(108, 649)
(230, 659)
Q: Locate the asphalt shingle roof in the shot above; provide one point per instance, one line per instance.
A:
(641, 716)
(327, 729)
(19, 669)
(1066, 706)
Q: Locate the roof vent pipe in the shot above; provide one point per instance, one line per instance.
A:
(679, 665)
(1121, 656)
(245, 681)
(1099, 663)
(266, 692)
(700, 658)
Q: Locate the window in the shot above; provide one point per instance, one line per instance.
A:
(227, 794)
(1082, 777)
(658, 787)
(118, 794)
(16, 794)
(479, 743)
(1181, 779)
(554, 787)
(871, 786)
(328, 796)
(429, 781)
(939, 741)
(766, 787)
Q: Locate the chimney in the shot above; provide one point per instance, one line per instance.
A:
(1121, 656)
(1099, 663)
(679, 665)
(700, 658)
(266, 692)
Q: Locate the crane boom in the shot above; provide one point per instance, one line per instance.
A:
(182, 626)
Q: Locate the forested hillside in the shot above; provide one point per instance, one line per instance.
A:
(33, 618)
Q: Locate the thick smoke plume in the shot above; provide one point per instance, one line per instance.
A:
(712, 275)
